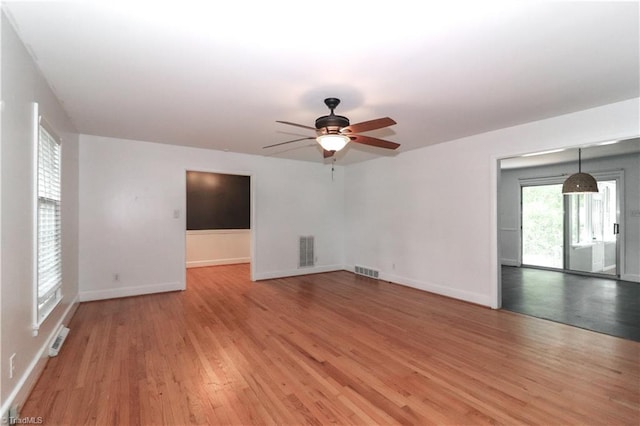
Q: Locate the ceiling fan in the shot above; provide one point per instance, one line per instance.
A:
(333, 132)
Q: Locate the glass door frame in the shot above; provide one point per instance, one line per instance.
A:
(556, 216)
(587, 243)
(618, 176)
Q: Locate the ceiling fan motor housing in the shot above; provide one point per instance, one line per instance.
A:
(332, 121)
(329, 121)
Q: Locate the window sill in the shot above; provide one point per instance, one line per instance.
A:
(42, 316)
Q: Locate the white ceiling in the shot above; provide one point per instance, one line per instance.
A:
(218, 74)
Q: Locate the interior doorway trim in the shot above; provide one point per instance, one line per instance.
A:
(495, 277)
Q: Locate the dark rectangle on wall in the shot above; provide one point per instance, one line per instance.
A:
(218, 201)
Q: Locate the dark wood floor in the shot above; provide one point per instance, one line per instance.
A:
(328, 348)
(599, 304)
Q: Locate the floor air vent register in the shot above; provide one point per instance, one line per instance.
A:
(367, 272)
(58, 341)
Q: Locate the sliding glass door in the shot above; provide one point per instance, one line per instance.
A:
(593, 229)
(575, 232)
(543, 226)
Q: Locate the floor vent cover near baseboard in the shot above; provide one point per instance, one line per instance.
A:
(367, 272)
(307, 255)
(58, 341)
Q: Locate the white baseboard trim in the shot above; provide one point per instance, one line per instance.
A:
(630, 277)
(478, 299)
(31, 375)
(510, 262)
(295, 272)
(114, 293)
(217, 262)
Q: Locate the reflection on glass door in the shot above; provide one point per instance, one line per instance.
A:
(593, 228)
(542, 226)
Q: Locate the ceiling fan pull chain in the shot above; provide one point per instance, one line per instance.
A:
(332, 168)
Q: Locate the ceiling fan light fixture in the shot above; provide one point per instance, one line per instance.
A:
(333, 142)
(579, 183)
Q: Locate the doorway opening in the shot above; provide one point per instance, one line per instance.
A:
(571, 259)
(218, 219)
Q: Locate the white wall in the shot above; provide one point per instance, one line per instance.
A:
(22, 84)
(509, 210)
(428, 218)
(210, 247)
(130, 190)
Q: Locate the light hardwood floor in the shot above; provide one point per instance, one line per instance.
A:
(328, 348)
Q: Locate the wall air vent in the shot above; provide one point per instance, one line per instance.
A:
(367, 272)
(307, 255)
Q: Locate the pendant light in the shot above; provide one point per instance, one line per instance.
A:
(580, 183)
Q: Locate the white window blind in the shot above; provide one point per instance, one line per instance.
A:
(49, 225)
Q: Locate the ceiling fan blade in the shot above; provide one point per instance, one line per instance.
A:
(282, 143)
(368, 140)
(327, 154)
(366, 126)
(296, 124)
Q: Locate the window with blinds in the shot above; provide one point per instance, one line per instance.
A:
(49, 226)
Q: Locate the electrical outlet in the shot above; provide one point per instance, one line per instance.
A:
(12, 365)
